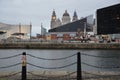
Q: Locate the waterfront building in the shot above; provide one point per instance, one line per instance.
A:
(60, 36)
(66, 18)
(43, 30)
(108, 20)
(75, 17)
(53, 20)
(95, 27)
(69, 31)
(18, 31)
(56, 22)
(74, 26)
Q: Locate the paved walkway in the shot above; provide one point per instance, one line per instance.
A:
(60, 75)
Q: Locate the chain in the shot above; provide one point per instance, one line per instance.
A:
(10, 56)
(100, 66)
(51, 59)
(52, 67)
(100, 56)
(10, 65)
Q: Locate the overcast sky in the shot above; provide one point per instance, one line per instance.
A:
(40, 11)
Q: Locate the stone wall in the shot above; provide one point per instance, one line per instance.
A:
(60, 46)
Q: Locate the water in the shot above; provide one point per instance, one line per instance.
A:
(107, 62)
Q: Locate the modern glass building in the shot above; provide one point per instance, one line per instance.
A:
(108, 20)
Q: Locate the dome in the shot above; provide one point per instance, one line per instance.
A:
(65, 14)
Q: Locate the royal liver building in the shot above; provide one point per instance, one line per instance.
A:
(56, 22)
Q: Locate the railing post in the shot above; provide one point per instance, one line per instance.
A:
(79, 72)
(24, 76)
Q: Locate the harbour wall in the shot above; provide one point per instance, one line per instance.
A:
(60, 46)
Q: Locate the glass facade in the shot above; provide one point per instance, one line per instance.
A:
(108, 20)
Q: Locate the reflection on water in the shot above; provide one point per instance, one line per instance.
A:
(96, 61)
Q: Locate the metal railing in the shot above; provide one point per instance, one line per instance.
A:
(77, 75)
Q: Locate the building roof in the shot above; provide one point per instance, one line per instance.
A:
(73, 26)
(53, 14)
(66, 13)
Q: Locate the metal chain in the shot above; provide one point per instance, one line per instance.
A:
(10, 65)
(100, 56)
(52, 67)
(100, 66)
(10, 56)
(51, 59)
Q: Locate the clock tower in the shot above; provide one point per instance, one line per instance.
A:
(53, 20)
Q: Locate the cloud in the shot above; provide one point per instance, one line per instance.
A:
(37, 11)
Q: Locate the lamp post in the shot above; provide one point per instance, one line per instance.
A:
(84, 29)
(20, 30)
(30, 30)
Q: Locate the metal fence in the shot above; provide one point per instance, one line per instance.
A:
(79, 74)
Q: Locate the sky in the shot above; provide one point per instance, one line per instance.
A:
(40, 11)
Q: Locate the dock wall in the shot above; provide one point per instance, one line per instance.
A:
(60, 46)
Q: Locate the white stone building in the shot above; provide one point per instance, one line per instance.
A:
(10, 30)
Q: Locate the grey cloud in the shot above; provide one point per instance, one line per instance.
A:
(37, 11)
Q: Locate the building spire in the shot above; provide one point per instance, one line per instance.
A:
(75, 17)
(75, 14)
(30, 30)
(19, 27)
(53, 19)
(53, 15)
(41, 24)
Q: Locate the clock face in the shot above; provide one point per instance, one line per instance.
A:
(54, 17)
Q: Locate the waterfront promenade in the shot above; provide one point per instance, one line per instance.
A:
(61, 75)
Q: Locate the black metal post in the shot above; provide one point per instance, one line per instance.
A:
(24, 76)
(79, 72)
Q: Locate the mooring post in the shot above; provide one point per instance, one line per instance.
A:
(79, 72)
(24, 76)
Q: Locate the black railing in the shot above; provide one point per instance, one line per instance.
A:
(77, 74)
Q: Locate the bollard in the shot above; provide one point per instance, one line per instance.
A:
(79, 72)
(24, 76)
